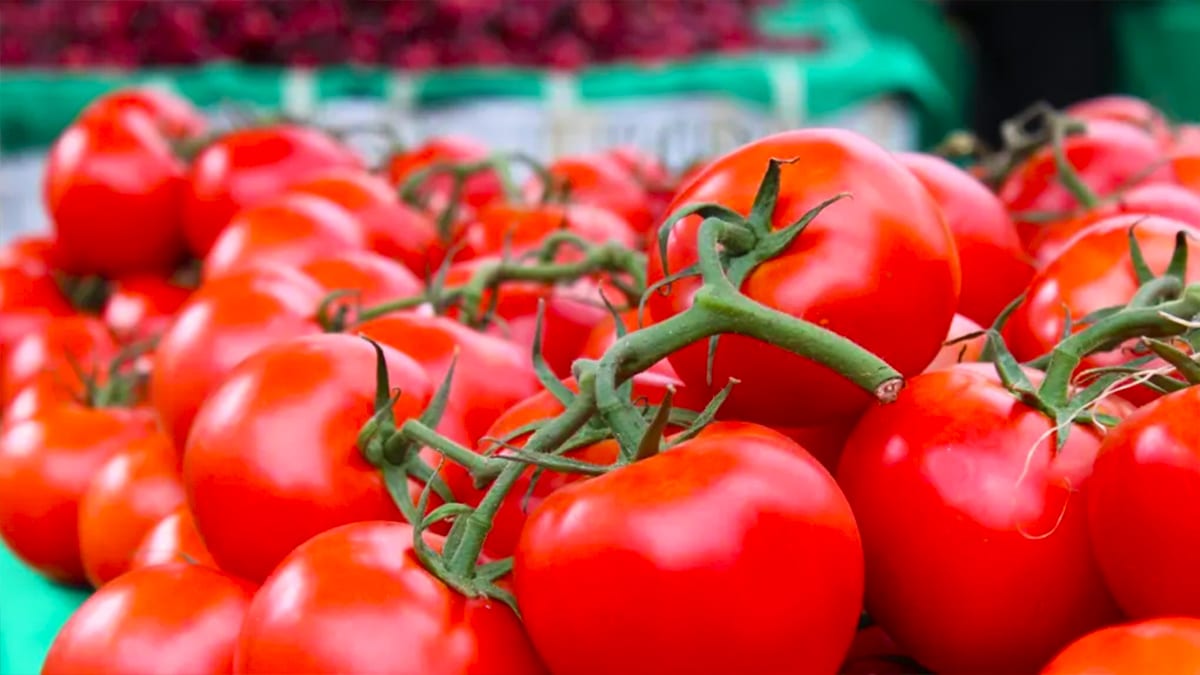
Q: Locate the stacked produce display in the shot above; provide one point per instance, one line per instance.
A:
(807, 407)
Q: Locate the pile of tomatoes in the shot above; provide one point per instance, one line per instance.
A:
(807, 407)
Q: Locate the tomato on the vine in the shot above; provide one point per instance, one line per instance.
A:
(65, 351)
(604, 335)
(372, 277)
(174, 538)
(479, 189)
(517, 229)
(600, 181)
(1163, 645)
(1130, 110)
(955, 349)
(142, 306)
(174, 115)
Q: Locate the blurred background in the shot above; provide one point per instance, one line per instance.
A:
(682, 78)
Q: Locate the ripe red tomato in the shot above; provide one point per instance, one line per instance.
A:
(246, 167)
(1127, 109)
(519, 228)
(991, 517)
(375, 278)
(480, 189)
(310, 615)
(394, 229)
(645, 167)
(135, 488)
(36, 253)
(291, 229)
(120, 167)
(46, 464)
(1165, 645)
(959, 352)
(64, 351)
(881, 258)
(1155, 199)
(272, 458)
(675, 570)
(225, 321)
(168, 620)
(599, 180)
(1141, 506)
(492, 374)
(175, 117)
(823, 441)
(1107, 157)
(874, 652)
(173, 539)
(142, 306)
(1093, 273)
(994, 267)
(38, 396)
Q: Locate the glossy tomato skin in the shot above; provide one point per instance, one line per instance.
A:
(1165, 645)
(174, 116)
(272, 458)
(989, 519)
(490, 376)
(135, 488)
(142, 306)
(959, 352)
(1107, 157)
(291, 229)
(393, 228)
(46, 464)
(822, 441)
(249, 166)
(172, 539)
(480, 189)
(884, 257)
(113, 190)
(1142, 509)
(63, 350)
(601, 181)
(683, 573)
(225, 321)
(171, 619)
(1127, 109)
(310, 615)
(994, 267)
(520, 228)
(376, 278)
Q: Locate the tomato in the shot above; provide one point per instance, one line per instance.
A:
(1166, 645)
(882, 258)
(122, 168)
(394, 229)
(604, 335)
(135, 488)
(963, 505)
(875, 653)
(165, 620)
(27, 287)
(272, 457)
(375, 278)
(175, 116)
(225, 321)
(1140, 507)
(1093, 273)
(1155, 199)
(356, 599)
(172, 539)
(491, 374)
(1186, 164)
(38, 396)
(249, 166)
(480, 189)
(959, 352)
(680, 577)
(823, 441)
(600, 181)
(291, 229)
(519, 229)
(642, 165)
(1107, 157)
(46, 464)
(65, 350)
(142, 306)
(1127, 109)
(994, 267)
(36, 253)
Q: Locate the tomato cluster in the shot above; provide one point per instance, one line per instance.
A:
(812, 407)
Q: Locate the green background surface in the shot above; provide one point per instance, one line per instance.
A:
(31, 612)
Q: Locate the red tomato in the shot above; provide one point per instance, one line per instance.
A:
(1166, 645)
(46, 464)
(113, 190)
(875, 653)
(173, 539)
(1186, 165)
(599, 180)
(246, 167)
(881, 258)
(604, 335)
(1155, 199)
(959, 352)
(175, 116)
(520, 228)
(990, 519)
(393, 228)
(142, 306)
(1093, 273)
(994, 267)
(291, 229)
(310, 615)
(38, 396)
(1127, 109)
(36, 253)
(272, 457)
(376, 278)
(29, 297)
(725, 509)
(65, 350)
(824, 442)
(492, 374)
(480, 189)
(134, 489)
(640, 164)
(1107, 157)
(1141, 507)
(168, 620)
(224, 322)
